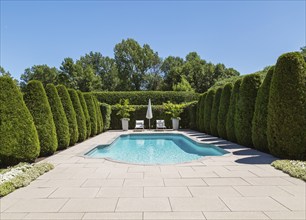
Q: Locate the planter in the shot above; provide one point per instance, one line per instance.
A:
(175, 123)
(125, 124)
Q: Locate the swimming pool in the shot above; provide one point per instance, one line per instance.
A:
(155, 149)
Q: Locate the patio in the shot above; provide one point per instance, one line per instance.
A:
(240, 185)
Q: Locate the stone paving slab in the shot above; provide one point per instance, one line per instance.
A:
(239, 185)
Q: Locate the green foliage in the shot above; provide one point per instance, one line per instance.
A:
(200, 112)
(124, 108)
(188, 116)
(174, 110)
(230, 120)
(36, 100)
(286, 130)
(259, 123)
(207, 110)
(59, 117)
(215, 112)
(245, 109)
(100, 125)
(18, 136)
(86, 114)
(92, 113)
(80, 116)
(183, 86)
(106, 111)
(142, 97)
(294, 168)
(70, 113)
(223, 110)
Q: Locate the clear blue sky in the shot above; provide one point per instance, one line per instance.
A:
(245, 35)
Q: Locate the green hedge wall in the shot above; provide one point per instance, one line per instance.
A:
(100, 125)
(215, 112)
(86, 114)
(18, 136)
(59, 117)
(142, 97)
(259, 123)
(207, 109)
(92, 113)
(201, 112)
(245, 109)
(224, 109)
(286, 130)
(188, 116)
(80, 117)
(70, 113)
(198, 112)
(106, 111)
(230, 120)
(36, 100)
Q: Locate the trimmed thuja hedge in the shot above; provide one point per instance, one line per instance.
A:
(142, 97)
(286, 130)
(215, 112)
(92, 113)
(201, 112)
(223, 110)
(99, 116)
(245, 109)
(207, 110)
(106, 111)
(36, 100)
(86, 114)
(59, 117)
(80, 117)
(18, 136)
(70, 113)
(259, 123)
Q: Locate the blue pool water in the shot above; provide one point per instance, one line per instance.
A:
(155, 149)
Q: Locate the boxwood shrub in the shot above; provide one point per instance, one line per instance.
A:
(59, 117)
(223, 109)
(99, 116)
(80, 117)
(245, 109)
(214, 113)
(230, 120)
(92, 113)
(207, 110)
(142, 97)
(86, 114)
(70, 113)
(259, 123)
(18, 136)
(36, 100)
(287, 108)
(106, 111)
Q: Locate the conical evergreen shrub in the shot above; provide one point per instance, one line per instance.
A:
(99, 116)
(198, 118)
(201, 112)
(287, 108)
(223, 109)
(245, 109)
(230, 120)
(106, 111)
(59, 117)
(207, 109)
(259, 123)
(81, 121)
(214, 113)
(92, 113)
(70, 114)
(86, 114)
(18, 136)
(36, 100)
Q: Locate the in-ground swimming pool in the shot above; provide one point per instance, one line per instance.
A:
(155, 149)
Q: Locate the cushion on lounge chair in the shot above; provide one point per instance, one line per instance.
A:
(160, 124)
(139, 124)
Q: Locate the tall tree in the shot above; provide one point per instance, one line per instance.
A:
(171, 70)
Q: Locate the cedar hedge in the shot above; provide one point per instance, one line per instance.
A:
(259, 123)
(70, 113)
(245, 109)
(230, 120)
(36, 100)
(99, 116)
(142, 97)
(207, 110)
(80, 117)
(223, 109)
(214, 113)
(18, 135)
(198, 111)
(86, 114)
(106, 111)
(59, 117)
(92, 113)
(201, 112)
(188, 116)
(286, 130)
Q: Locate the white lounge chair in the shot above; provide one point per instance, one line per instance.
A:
(139, 124)
(160, 124)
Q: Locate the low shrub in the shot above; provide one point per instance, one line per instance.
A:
(215, 112)
(92, 113)
(294, 168)
(207, 110)
(86, 114)
(106, 111)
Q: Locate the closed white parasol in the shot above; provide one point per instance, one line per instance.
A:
(149, 112)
